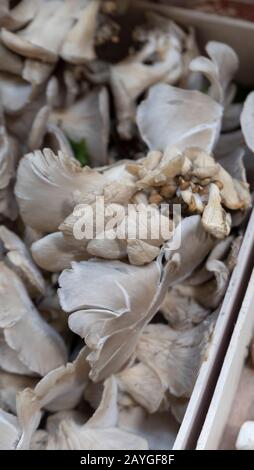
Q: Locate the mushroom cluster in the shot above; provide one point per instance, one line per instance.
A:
(102, 337)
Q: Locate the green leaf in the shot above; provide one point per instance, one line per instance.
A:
(80, 151)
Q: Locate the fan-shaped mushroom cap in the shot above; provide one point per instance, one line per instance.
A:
(175, 117)
(219, 69)
(48, 186)
(19, 259)
(78, 46)
(38, 345)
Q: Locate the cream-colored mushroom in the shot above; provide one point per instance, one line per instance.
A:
(215, 219)
(49, 185)
(38, 345)
(175, 117)
(9, 431)
(70, 431)
(19, 259)
(17, 17)
(16, 93)
(245, 438)
(139, 252)
(9, 360)
(219, 69)
(78, 46)
(132, 76)
(181, 310)
(54, 253)
(43, 37)
(247, 120)
(10, 385)
(60, 389)
(113, 323)
(167, 363)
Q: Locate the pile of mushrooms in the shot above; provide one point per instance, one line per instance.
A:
(103, 338)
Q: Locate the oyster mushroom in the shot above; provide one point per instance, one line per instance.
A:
(215, 219)
(140, 252)
(54, 253)
(61, 389)
(19, 259)
(37, 345)
(247, 120)
(168, 362)
(234, 190)
(10, 385)
(36, 72)
(219, 253)
(138, 235)
(16, 93)
(17, 17)
(158, 428)
(9, 361)
(9, 431)
(219, 69)
(100, 431)
(172, 164)
(107, 323)
(181, 310)
(131, 77)
(211, 293)
(43, 37)
(47, 186)
(183, 118)
(245, 438)
(143, 385)
(78, 46)
(87, 119)
(156, 338)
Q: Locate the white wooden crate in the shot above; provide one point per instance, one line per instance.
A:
(230, 376)
(210, 369)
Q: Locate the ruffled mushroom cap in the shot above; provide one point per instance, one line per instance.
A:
(58, 181)
(36, 344)
(108, 323)
(175, 117)
(219, 69)
(19, 259)
(78, 46)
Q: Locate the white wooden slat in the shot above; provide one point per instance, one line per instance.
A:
(206, 381)
(222, 401)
